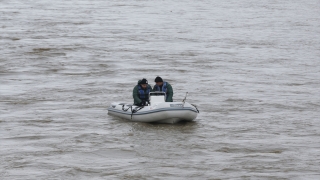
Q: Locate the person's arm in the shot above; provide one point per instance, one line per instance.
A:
(154, 88)
(169, 93)
(135, 96)
(151, 90)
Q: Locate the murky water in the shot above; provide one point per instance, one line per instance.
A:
(252, 67)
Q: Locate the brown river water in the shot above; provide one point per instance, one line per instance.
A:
(252, 67)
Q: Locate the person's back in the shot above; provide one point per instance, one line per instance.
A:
(141, 93)
(164, 87)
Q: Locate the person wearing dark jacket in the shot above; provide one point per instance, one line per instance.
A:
(164, 87)
(141, 93)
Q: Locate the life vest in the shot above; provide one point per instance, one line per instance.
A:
(142, 94)
(164, 87)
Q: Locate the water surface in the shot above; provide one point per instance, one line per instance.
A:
(251, 67)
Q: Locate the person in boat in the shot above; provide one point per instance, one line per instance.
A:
(164, 87)
(141, 93)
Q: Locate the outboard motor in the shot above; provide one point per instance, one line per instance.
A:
(157, 97)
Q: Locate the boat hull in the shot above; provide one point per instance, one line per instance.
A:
(166, 112)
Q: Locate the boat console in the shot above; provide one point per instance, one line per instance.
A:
(157, 97)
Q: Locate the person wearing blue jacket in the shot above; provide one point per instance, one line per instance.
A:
(164, 87)
(141, 92)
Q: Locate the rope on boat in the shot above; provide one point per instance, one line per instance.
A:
(136, 110)
(125, 109)
(195, 107)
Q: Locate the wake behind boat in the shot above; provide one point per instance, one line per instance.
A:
(156, 111)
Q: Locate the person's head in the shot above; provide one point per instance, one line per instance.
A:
(159, 81)
(143, 83)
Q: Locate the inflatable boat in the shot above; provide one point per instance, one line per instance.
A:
(157, 110)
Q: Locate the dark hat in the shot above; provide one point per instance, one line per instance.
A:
(143, 81)
(158, 79)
